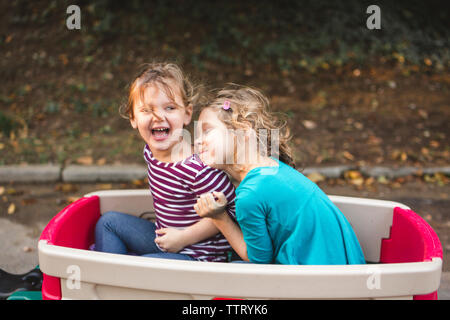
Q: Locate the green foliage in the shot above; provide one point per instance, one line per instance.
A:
(295, 34)
(304, 34)
(7, 124)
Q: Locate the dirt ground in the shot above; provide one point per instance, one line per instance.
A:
(379, 117)
(62, 103)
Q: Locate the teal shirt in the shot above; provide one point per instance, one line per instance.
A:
(287, 219)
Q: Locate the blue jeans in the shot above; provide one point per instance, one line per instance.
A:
(122, 233)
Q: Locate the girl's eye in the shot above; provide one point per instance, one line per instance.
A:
(145, 110)
(170, 108)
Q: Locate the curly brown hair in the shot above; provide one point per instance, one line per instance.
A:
(249, 108)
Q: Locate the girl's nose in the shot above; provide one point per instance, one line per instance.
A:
(158, 114)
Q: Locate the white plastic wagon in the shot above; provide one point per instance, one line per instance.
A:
(403, 254)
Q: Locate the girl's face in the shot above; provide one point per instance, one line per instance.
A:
(214, 143)
(160, 120)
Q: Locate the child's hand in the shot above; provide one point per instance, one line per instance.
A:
(207, 206)
(170, 239)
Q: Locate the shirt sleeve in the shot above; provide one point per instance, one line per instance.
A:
(251, 217)
(209, 179)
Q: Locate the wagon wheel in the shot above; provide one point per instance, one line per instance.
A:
(10, 283)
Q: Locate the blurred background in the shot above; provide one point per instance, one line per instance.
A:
(352, 96)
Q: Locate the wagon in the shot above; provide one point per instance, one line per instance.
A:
(403, 255)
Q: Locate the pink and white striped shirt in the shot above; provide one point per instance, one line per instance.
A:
(175, 188)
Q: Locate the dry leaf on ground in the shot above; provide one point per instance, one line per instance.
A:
(11, 208)
(316, 177)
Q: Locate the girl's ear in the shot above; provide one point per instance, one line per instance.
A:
(133, 123)
(188, 114)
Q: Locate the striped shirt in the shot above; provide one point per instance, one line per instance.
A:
(175, 188)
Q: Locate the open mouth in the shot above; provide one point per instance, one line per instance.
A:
(160, 133)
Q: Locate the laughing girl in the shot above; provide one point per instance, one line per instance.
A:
(283, 217)
(160, 104)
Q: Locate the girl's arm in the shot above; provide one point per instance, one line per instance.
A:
(232, 233)
(207, 180)
(200, 231)
(173, 240)
(207, 207)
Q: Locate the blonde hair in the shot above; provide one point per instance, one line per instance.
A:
(164, 74)
(249, 108)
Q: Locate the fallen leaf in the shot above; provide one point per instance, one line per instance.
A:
(87, 160)
(27, 249)
(347, 155)
(66, 187)
(316, 177)
(357, 182)
(369, 181)
(101, 161)
(11, 208)
(440, 178)
(63, 58)
(104, 186)
(108, 75)
(138, 183)
(26, 202)
(13, 192)
(399, 155)
(423, 114)
(72, 199)
(400, 180)
(352, 174)
(403, 156)
(382, 180)
(395, 154)
(396, 185)
(434, 144)
(354, 177)
(309, 124)
(2, 190)
(392, 84)
(40, 116)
